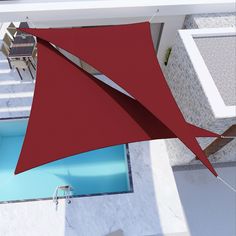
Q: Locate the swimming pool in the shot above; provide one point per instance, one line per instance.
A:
(96, 172)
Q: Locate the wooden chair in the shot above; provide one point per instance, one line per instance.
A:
(20, 64)
(7, 40)
(12, 30)
(5, 50)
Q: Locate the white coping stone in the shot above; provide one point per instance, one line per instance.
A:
(214, 98)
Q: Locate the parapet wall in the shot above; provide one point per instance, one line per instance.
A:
(191, 98)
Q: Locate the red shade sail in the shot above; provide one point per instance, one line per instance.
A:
(73, 112)
(77, 113)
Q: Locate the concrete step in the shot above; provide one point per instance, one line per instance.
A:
(13, 75)
(14, 112)
(4, 63)
(5, 69)
(10, 75)
(16, 87)
(15, 102)
(14, 94)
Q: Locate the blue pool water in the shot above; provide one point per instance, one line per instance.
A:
(96, 172)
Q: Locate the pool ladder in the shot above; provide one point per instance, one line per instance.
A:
(67, 189)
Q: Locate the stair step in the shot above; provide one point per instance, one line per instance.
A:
(16, 86)
(14, 112)
(12, 82)
(4, 65)
(15, 109)
(5, 70)
(16, 95)
(9, 76)
(15, 102)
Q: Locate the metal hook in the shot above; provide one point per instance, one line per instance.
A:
(222, 136)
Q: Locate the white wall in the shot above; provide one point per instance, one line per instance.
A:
(209, 206)
(192, 100)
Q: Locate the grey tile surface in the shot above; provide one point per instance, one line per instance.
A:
(212, 20)
(219, 54)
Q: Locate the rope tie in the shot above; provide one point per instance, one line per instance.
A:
(227, 184)
(155, 13)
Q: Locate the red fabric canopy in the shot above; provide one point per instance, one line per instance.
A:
(126, 55)
(73, 112)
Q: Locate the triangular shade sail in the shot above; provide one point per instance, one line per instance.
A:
(73, 112)
(126, 55)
